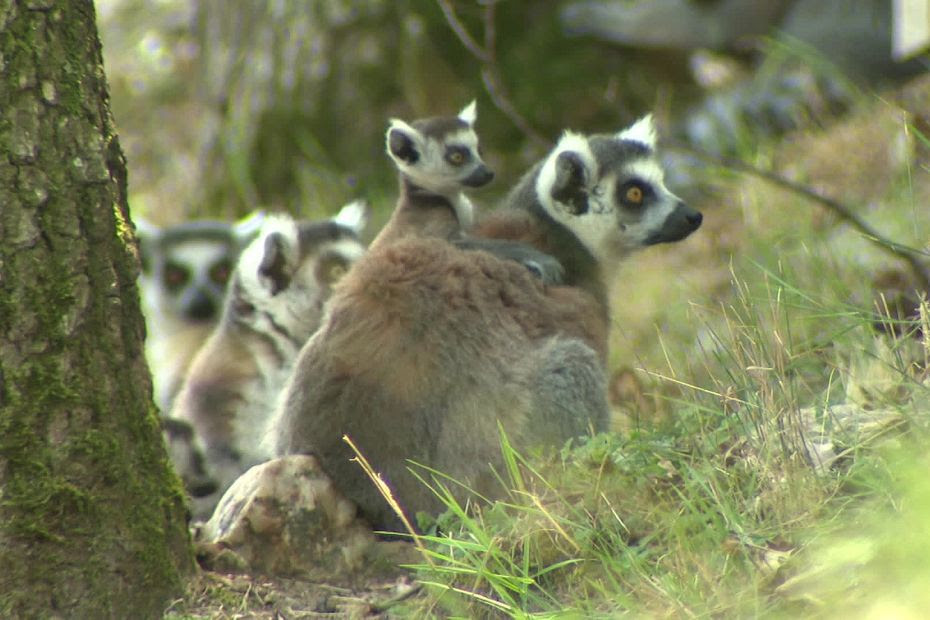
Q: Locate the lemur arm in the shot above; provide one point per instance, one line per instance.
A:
(545, 267)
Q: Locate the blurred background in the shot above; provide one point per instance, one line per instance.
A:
(223, 108)
(282, 104)
(778, 330)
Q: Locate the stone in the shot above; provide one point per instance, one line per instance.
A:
(285, 517)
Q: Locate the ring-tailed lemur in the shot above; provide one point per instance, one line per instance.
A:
(591, 202)
(437, 158)
(425, 348)
(185, 270)
(275, 301)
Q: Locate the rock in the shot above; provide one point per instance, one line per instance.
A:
(285, 517)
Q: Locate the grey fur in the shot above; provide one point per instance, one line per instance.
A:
(276, 300)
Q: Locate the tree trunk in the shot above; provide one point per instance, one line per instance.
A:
(92, 518)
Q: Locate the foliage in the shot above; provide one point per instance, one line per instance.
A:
(225, 108)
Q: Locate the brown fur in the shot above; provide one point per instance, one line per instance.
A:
(425, 348)
(418, 213)
(428, 347)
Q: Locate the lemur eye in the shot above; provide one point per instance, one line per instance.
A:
(331, 269)
(634, 193)
(457, 155)
(175, 276)
(336, 272)
(219, 272)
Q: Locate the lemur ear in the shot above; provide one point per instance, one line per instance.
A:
(247, 228)
(571, 181)
(469, 113)
(148, 235)
(642, 131)
(354, 216)
(403, 142)
(273, 269)
(572, 172)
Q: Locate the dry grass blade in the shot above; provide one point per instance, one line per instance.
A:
(388, 496)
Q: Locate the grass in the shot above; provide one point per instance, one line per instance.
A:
(720, 512)
(770, 461)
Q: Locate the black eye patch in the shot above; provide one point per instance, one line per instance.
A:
(175, 276)
(457, 155)
(219, 272)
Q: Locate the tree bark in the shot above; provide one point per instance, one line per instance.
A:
(92, 518)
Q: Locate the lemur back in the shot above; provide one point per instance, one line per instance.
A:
(275, 302)
(185, 270)
(426, 349)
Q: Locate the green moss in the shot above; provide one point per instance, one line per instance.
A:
(86, 482)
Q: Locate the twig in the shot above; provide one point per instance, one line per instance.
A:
(462, 33)
(490, 31)
(490, 72)
(910, 255)
(501, 100)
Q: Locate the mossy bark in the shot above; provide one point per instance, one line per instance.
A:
(92, 518)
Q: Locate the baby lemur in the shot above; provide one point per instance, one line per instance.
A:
(426, 347)
(275, 302)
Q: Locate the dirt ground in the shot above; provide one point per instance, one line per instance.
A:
(227, 596)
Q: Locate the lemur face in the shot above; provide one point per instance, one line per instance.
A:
(286, 274)
(185, 268)
(609, 190)
(439, 154)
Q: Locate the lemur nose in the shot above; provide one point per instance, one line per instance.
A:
(695, 218)
(200, 307)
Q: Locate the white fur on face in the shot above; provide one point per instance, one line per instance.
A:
(649, 170)
(298, 307)
(594, 228)
(162, 311)
(637, 226)
(609, 230)
(253, 254)
(591, 226)
(431, 171)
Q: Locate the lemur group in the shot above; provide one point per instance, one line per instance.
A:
(274, 336)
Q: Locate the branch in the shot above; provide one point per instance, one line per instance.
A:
(490, 72)
(913, 257)
(498, 95)
(462, 33)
